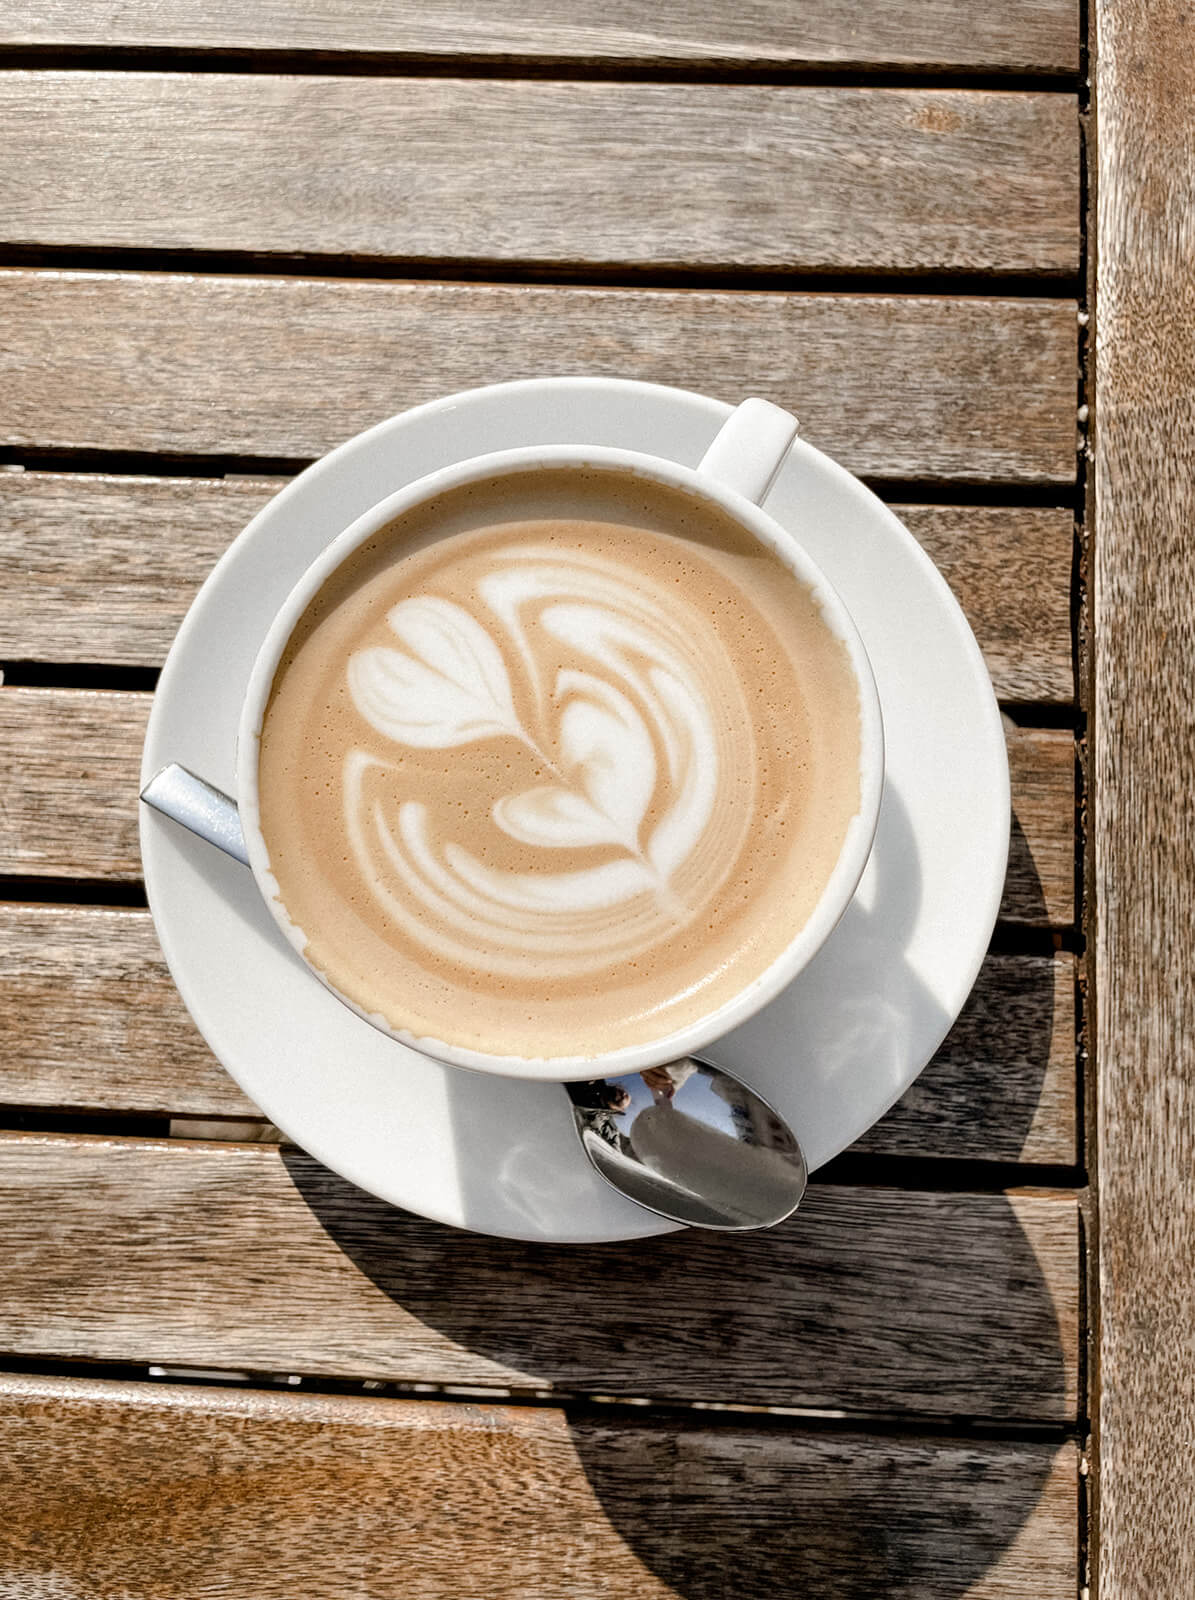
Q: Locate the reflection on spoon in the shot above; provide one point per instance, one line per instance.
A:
(690, 1142)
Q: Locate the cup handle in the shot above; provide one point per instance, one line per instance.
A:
(749, 448)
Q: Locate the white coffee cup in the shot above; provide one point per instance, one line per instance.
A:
(734, 475)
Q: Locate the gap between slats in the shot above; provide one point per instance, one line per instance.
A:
(562, 69)
(953, 283)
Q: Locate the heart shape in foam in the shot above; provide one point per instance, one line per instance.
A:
(449, 687)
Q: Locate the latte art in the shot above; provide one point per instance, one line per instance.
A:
(556, 764)
(633, 736)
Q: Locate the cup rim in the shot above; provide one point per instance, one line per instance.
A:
(836, 892)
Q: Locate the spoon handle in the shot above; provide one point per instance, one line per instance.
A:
(206, 811)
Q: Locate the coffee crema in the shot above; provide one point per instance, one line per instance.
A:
(556, 764)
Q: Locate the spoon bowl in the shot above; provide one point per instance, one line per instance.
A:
(691, 1143)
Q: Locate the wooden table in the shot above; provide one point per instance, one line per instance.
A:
(231, 236)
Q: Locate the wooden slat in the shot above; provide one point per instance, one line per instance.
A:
(1040, 886)
(101, 1027)
(1021, 35)
(103, 569)
(1002, 1087)
(73, 759)
(290, 1269)
(98, 1021)
(1143, 776)
(139, 1489)
(584, 174)
(1010, 568)
(897, 387)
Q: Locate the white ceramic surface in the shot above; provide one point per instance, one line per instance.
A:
(754, 459)
(832, 1051)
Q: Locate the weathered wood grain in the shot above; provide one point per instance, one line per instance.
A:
(93, 1021)
(103, 568)
(72, 758)
(896, 387)
(1040, 886)
(138, 1490)
(1143, 776)
(1010, 569)
(1003, 1085)
(1022, 35)
(870, 1300)
(594, 174)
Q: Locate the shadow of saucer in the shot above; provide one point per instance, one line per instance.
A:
(720, 1512)
(869, 1301)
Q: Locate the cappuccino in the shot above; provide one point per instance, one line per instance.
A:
(556, 764)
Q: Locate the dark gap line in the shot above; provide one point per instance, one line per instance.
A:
(608, 1410)
(1083, 1362)
(21, 1365)
(102, 675)
(796, 1419)
(1043, 714)
(831, 1420)
(45, 1118)
(1016, 939)
(905, 1174)
(83, 892)
(1083, 657)
(1007, 938)
(76, 675)
(149, 464)
(119, 1124)
(971, 492)
(741, 277)
(943, 1175)
(649, 68)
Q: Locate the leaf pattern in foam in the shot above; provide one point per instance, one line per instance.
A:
(607, 752)
(554, 818)
(451, 689)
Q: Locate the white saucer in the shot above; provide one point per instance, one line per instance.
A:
(832, 1052)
